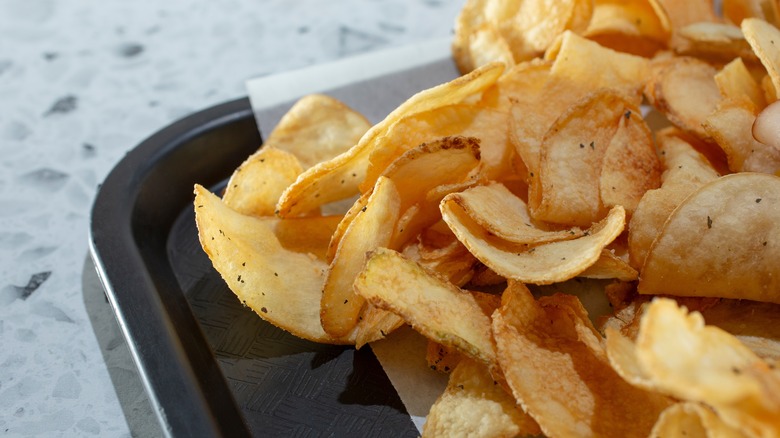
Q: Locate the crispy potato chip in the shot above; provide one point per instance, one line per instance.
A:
(543, 348)
(687, 12)
(317, 128)
(541, 264)
(720, 242)
(680, 356)
(731, 127)
(448, 258)
(255, 187)
(631, 166)
(609, 265)
(632, 26)
(438, 310)
(473, 405)
(685, 91)
(592, 67)
(762, 36)
(735, 82)
(766, 127)
(715, 42)
(375, 324)
(737, 10)
(753, 323)
(371, 228)
(281, 286)
(566, 191)
(340, 177)
(441, 358)
(506, 216)
(685, 170)
(692, 420)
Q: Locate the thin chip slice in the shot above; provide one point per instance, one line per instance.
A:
(340, 177)
(438, 310)
(503, 214)
(543, 350)
(255, 187)
(735, 82)
(722, 241)
(692, 420)
(629, 26)
(375, 324)
(317, 128)
(714, 42)
(541, 264)
(473, 405)
(762, 37)
(610, 266)
(372, 227)
(283, 287)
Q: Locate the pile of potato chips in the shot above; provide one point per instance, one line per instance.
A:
(589, 145)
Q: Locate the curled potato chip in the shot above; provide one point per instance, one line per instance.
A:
(685, 91)
(549, 347)
(692, 419)
(473, 405)
(317, 128)
(762, 36)
(731, 127)
(715, 42)
(340, 177)
(541, 264)
(371, 228)
(282, 286)
(685, 170)
(636, 26)
(720, 242)
(255, 187)
(677, 354)
(504, 215)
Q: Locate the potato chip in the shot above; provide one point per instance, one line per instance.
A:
(766, 127)
(340, 177)
(631, 166)
(685, 171)
(609, 265)
(685, 91)
(694, 420)
(473, 405)
(317, 128)
(731, 127)
(506, 216)
(737, 10)
(629, 26)
(281, 286)
(371, 228)
(687, 12)
(448, 258)
(441, 358)
(720, 242)
(566, 191)
(715, 42)
(682, 357)
(255, 187)
(375, 324)
(541, 264)
(543, 349)
(735, 82)
(438, 310)
(762, 36)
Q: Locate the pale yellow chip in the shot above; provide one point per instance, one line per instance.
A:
(634, 26)
(685, 170)
(473, 405)
(371, 228)
(505, 215)
(340, 177)
(541, 264)
(437, 309)
(317, 128)
(610, 266)
(715, 42)
(735, 82)
(720, 242)
(685, 91)
(763, 38)
(692, 420)
(731, 127)
(255, 187)
(552, 360)
(282, 286)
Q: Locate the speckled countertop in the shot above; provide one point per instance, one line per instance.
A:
(81, 83)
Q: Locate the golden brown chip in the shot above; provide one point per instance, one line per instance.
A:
(685, 91)
(375, 324)
(552, 361)
(371, 228)
(340, 177)
(317, 128)
(474, 405)
(282, 286)
(683, 13)
(632, 26)
(438, 310)
(255, 187)
(720, 242)
(737, 10)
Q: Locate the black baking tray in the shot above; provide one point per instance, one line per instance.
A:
(211, 367)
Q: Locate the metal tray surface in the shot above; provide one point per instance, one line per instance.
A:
(212, 367)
